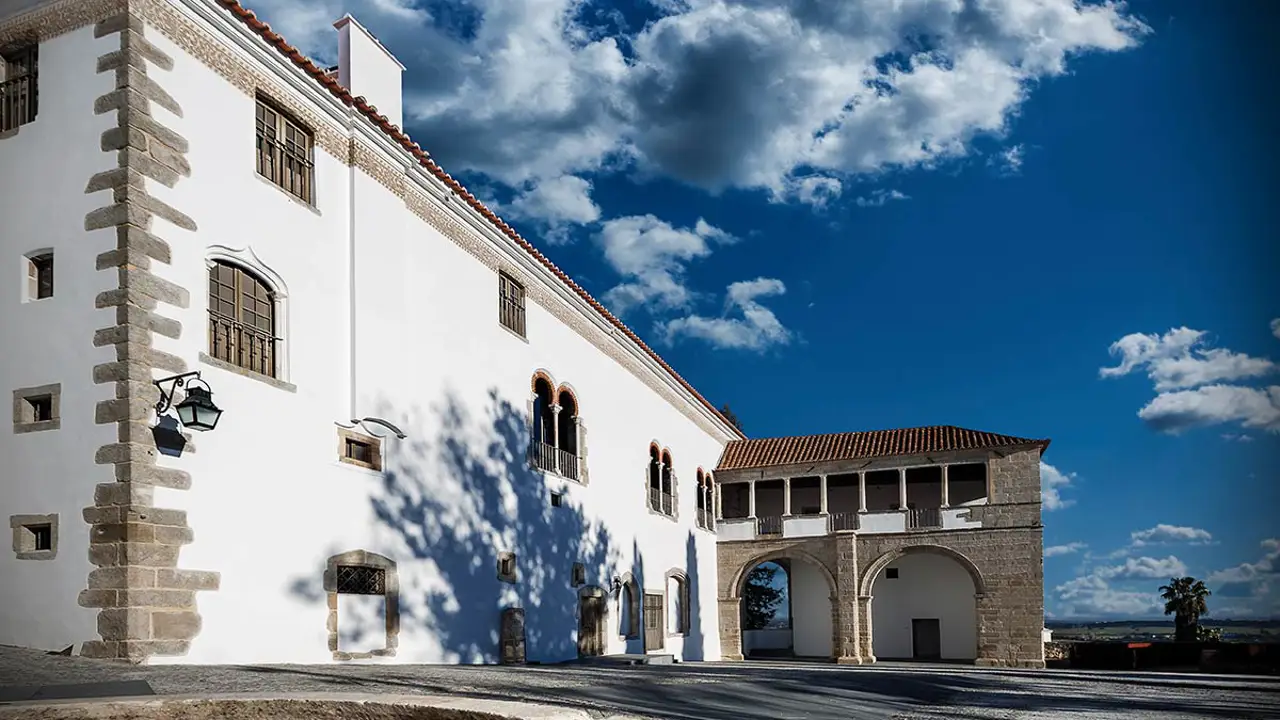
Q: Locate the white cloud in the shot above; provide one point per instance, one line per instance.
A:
(1163, 534)
(1092, 596)
(651, 256)
(1266, 568)
(1052, 482)
(1010, 160)
(1275, 328)
(1232, 437)
(1068, 549)
(1250, 590)
(1144, 567)
(1178, 360)
(757, 328)
(559, 203)
(1214, 405)
(716, 93)
(879, 197)
(1190, 381)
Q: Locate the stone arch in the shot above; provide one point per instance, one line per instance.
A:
(740, 577)
(565, 387)
(865, 585)
(389, 590)
(544, 375)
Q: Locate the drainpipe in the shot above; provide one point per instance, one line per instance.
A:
(351, 280)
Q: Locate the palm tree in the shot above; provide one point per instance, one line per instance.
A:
(1184, 599)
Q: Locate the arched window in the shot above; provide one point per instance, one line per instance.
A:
(661, 481)
(677, 603)
(242, 319)
(706, 501)
(558, 442)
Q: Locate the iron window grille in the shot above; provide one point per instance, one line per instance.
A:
(19, 88)
(285, 152)
(361, 580)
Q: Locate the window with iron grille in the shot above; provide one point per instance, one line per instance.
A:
(40, 276)
(361, 580)
(18, 87)
(285, 152)
(242, 319)
(511, 304)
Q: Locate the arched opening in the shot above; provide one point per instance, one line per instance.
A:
(543, 416)
(924, 607)
(629, 608)
(567, 432)
(242, 318)
(785, 609)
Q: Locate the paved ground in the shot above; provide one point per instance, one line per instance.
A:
(710, 691)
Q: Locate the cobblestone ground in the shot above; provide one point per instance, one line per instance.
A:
(717, 691)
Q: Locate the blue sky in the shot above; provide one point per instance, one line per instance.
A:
(1032, 217)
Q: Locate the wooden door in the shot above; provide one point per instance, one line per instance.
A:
(590, 626)
(926, 639)
(655, 627)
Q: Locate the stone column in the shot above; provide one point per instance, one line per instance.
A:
(946, 491)
(730, 629)
(822, 490)
(846, 647)
(865, 627)
(786, 496)
(751, 499)
(862, 492)
(555, 436)
(902, 488)
(716, 495)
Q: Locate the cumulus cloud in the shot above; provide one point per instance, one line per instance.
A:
(745, 324)
(879, 197)
(1068, 549)
(1144, 567)
(1253, 587)
(651, 255)
(558, 203)
(1052, 482)
(1266, 568)
(1092, 596)
(752, 94)
(1191, 381)
(1165, 534)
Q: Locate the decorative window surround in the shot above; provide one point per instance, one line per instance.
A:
(350, 444)
(390, 591)
(37, 408)
(30, 532)
(681, 626)
(507, 570)
(249, 260)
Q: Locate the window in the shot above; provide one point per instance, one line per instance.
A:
(35, 537)
(18, 88)
(40, 276)
(661, 482)
(242, 319)
(558, 432)
(37, 408)
(511, 304)
(706, 518)
(677, 602)
(285, 152)
(579, 575)
(891, 574)
(361, 580)
(360, 586)
(361, 450)
(557, 499)
(507, 567)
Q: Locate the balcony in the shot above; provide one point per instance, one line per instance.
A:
(661, 502)
(818, 525)
(549, 458)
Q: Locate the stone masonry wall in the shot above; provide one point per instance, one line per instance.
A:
(146, 603)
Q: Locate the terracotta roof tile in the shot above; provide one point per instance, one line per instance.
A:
(769, 452)
(262, 29)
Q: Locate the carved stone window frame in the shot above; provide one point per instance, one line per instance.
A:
(24, 539)
(23, 421)
(375, 449)
(507, 568)
(391, 595)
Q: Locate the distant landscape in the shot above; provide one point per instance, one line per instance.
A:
(1146, 630)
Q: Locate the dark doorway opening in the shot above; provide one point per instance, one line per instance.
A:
(926, 639)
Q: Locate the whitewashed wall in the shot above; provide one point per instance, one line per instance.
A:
(810, 611)
(43, 172)
(270, 501)
(928, 586)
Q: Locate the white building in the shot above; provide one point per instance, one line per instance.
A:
(187, 193)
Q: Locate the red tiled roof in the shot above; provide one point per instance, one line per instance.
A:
(331, 83)
(769, 452)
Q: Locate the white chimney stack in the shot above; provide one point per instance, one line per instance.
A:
(366, 68)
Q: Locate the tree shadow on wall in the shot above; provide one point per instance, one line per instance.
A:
(456, 494)
(694, 643)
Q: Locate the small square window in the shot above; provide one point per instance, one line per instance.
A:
(557, 499)
(360, 450)
(37, 408)
(35, 537)
(40, 276)
(579, 576)
(891, 573)
(507, 567)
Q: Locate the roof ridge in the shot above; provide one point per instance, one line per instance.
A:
(879, 430)
(250, 18)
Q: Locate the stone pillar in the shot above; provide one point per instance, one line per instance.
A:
(730, 629)
(751, 499)
(902, 488)
(865, 627)
(716, 495)
(946, 491)
(822, 490)
(862, 492)
(845, 618)
(786, 496)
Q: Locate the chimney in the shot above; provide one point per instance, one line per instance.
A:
(367, 68)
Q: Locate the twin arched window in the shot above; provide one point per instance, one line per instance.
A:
(557, 429)
(662, 480)
(706, 515)
(242, 319)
